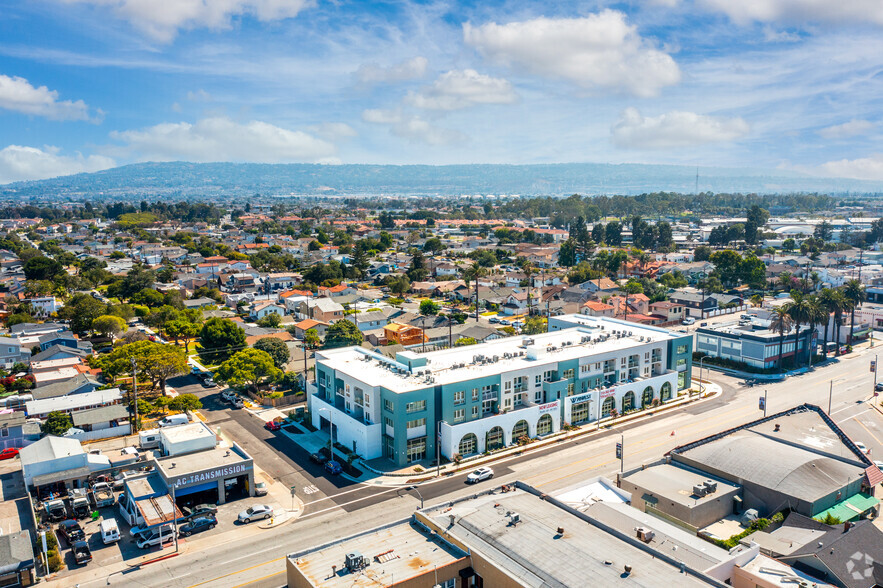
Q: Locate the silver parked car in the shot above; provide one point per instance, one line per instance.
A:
(258, 511)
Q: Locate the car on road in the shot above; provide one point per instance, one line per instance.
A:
(688, 321)
(153, 537)
(272, 426)
(236, 402)
(333, 467)
(253, 513)
(862, 447)
(506, 323)
(319, 458)
(197, 524)
(493, 320)
(208, 383)
(879, 464)
(9, 453)
(261, 489)
(703, 324)
(479, 475)
(517, 324)
(71, 531)
(878, 387)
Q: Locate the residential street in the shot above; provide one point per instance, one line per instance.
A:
(337, 508)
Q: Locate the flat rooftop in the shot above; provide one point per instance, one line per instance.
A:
(201, 460)
(591, 336)
(537, 556)
(675, 484)
(179, 433)
(395, 553)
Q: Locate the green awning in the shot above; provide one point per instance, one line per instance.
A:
(850, 509)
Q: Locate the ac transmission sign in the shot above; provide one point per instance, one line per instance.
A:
(210, 475)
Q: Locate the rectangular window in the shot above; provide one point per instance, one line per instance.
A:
(570, 389)
(475, 395)
(567, 375)
(388, 422)
(4, 432)
(538, 379)
(417, 423)
(507, 385)
(538, 396)
(416, 449)
(415, 406)
(388, 405)
(682, 349)
(475, 412)
(460, 397)
(367, 400)
(459, 415)
(682, 362)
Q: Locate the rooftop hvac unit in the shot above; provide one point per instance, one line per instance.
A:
(645, 535)
(496, 358)
(711, 485)
(700, 490)
(355, 561)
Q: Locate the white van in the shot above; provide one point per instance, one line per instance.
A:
(174, 420)
(110, 531)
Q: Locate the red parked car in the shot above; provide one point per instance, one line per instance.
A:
(273, 426)
(8, 453)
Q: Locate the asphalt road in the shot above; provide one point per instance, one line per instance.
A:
(340, 507)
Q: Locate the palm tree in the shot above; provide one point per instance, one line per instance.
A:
(799, 310)
(855, 293)
(785, 280)
(474, 272)
(781, 323)
(839, 305)
(817, 314)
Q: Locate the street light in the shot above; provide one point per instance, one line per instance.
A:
(414, 488)
(438, 449)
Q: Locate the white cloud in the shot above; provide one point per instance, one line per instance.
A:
(199, 96)
(599, 51)
(674, 129)
(847, 129)
(799, 11)
(461, 89)
(334, 131)
(19, 163)
(372, 73)
(866, 168)
(413, 128)
(222, 139)
(161, 19)
(19, 95)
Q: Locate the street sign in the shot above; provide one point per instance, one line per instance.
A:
(293, 490)
(873, 366)
(761, 403)
(619, 451)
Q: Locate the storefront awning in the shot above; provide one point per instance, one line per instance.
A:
(850, 509)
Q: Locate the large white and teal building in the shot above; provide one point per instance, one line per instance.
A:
(483, 397)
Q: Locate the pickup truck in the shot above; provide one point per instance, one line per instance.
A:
(102, 493)
(55, 510)
(81, 507)
(81, 551)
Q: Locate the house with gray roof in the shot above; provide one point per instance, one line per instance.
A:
(17, 559)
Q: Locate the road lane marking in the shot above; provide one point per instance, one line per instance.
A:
(237, 572)
(869, 432)
(256, 580)
(311, 489)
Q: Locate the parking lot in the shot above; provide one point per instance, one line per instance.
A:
(864, 424)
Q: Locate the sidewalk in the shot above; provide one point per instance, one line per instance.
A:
(313, 441)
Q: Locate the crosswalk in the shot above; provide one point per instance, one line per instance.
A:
(310, 489)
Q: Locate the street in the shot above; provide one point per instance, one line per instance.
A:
(336, 507)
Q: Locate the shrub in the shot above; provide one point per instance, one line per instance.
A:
(276, 394)
(756, 525)
(418, 469)
(523, 440)
(777, 518)
(458, 458)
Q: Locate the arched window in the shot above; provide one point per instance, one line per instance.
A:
(494, 439)
(607, 407)
(519, 430)
(665, 392)
(544, 425)
(647, 397)
(628, 401)
(468, 444)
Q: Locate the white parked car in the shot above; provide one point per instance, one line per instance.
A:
(153, 537)
(480, 475)
(258, 511)
(688, 321)
(862, 447)
(879, 464)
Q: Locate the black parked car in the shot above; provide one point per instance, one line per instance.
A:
(201, 509)
(71, 531)
(197, 524)
(319, 458)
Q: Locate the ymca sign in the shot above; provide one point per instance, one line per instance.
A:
(210, 475)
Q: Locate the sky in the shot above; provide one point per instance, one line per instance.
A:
(90, 84)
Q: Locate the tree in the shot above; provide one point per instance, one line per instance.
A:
(464, 341)
(727, 265)
(248, 367)
(855, 293)
(18, 319)
(57, 423)
(182, 329)
(664, 238)
(109, 325)
(823, 231)
(702, 253)
(398, 284)
(613, 234)
(534, 325)
(800, 310)
(81, 310)
(221, 337)
(185, 402)
(271, 320)
(789, 245)
(567, 254)
(433, 246)
(386, 220)
(428, 308)
(311, 338)
(417, 270)
(342, 334)
(781, 323)
(276, 349)
(757, 217)
(42, 268)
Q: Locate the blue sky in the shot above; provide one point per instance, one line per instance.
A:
(90, 84)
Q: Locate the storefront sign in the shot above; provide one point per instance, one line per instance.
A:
(581, 398)
(608, 392)
(549, 407)
(211, 475)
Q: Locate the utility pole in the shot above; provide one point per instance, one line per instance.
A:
(135, 393)
(830, 394)
(764, 403)
(438, 450)
(621, 453)
(175, 515)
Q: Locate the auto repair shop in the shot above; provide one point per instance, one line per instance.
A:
(213, 476)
